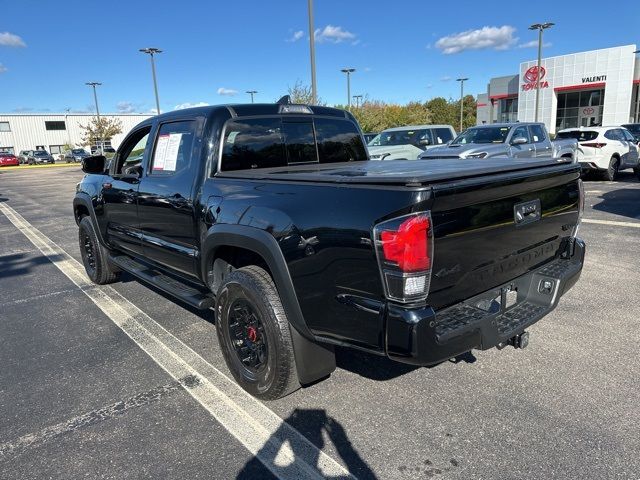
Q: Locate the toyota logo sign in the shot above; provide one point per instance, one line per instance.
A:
(531, 75)
(588, 110)
(532, 78)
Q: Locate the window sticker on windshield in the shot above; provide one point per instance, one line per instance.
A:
(166, 155)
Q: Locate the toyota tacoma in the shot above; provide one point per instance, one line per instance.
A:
(273, 216)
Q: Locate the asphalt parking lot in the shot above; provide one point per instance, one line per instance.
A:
(85, 394)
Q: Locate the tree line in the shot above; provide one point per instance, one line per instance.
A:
(376, 115)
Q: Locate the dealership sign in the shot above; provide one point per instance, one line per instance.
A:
(532, 78)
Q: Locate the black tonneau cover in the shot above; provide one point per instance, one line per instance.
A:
(395, 172)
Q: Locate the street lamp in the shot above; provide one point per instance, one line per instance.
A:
(358, 99)
(540, 27)
(348, 71)
(95, 98)
(461, 80)
(152, 51)
(312, 53)
(636, 118)
(66, 114)
(252, 93)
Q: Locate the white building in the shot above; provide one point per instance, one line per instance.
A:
(51, 131)
(600, 87)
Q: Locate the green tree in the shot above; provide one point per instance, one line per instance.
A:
(301, 93)
(99, 131)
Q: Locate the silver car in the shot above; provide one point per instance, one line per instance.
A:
(515, 140)
(38, 157)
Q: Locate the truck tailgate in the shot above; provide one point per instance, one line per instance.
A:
(479, 243)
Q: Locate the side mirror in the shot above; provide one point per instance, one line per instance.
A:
(519, 141)
(93, 164)
(424, 142)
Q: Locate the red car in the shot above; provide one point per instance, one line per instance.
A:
(8, 159)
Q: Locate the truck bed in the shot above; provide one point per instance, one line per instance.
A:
(396, 172)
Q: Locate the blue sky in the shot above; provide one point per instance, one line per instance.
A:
(402, 50)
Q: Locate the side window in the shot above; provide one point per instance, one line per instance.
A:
(131, 152)
(338, 141)
(420, 136)
(442, 135)
(253, 143)
(538, 134)
(613, 135)
(173, 148)
(521, 132)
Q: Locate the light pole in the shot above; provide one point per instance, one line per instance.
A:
(540, 27)
(95, 98)
(348, 71)
(252, 93)
(66, 114)
(636, 118)
(461, 80)
(312, 52)
(358, 99)
(152, 51)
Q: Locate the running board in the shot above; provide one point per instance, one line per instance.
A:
(201, 299)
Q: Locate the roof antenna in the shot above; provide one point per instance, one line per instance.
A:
(285, 100)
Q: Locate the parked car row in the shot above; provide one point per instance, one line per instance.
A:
(604, 150)
(35, 157)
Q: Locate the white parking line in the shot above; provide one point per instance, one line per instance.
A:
(281, 448)
(612, 223)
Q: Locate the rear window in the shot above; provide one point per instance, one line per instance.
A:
(580, 135)
(272, 142)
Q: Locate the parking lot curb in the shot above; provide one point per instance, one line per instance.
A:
(26, 167)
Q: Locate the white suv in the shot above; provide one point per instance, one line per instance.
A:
(604, 149)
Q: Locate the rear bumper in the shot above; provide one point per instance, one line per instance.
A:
(422, 336)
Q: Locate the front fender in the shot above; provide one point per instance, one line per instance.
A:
(82, 201)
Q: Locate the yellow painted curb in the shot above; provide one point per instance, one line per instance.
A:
(54, 165)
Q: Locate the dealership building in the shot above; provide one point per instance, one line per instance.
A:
(599, 87)
(52, 131)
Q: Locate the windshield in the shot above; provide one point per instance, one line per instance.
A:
(40, 153)
(398, 137)
(580, 135)
(483, 135)
(78, 151)
(633, 128)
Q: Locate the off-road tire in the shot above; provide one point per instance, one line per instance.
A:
(277, 377)
(611, 173)
(94, 255)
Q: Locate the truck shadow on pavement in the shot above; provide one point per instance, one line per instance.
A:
(318, 428)
(622, 202)
(381, 368)
(17, 264)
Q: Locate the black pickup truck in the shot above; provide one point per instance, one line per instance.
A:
(273, 216)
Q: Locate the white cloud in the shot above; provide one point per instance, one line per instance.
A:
(230, 92)
(533, 43)
(297, 35)
(126, 107)
(11, 40)
(497, 38)
(182, 106)
(429, 85)
(3, 68)
(334, 35)
(446, 78)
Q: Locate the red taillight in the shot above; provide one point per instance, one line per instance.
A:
(594, 144)
(404, 247)
(409, 245)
